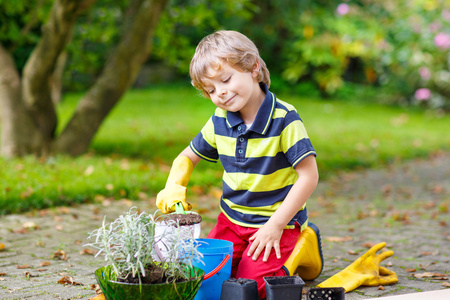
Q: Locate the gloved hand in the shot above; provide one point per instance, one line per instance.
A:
(175, 190)
(366, 270)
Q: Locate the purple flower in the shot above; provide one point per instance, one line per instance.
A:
(442, 40)
(435, 26)
(446, 14)
(425, 73)
(423, 94)
(342, 9)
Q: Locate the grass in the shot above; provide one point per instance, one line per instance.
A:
(131, 154)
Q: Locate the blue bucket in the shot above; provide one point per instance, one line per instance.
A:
(217, 257)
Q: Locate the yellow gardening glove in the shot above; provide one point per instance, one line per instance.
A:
(366, 270)
(175, 190)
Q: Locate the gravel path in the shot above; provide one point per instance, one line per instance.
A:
(405, 205)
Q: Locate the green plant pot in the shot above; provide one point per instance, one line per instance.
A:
(114, 290)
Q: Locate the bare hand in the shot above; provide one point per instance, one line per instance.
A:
(265, 238)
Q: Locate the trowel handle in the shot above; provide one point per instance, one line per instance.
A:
(179, 209)
(217, 269)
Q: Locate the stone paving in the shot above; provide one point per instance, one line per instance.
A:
(405, 205)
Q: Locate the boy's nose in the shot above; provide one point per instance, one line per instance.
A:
(223, 91)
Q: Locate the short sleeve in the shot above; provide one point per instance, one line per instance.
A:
(295, 142)
(204, 143)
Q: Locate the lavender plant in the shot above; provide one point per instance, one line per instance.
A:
(128, 245)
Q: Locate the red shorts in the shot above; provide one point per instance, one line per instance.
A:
(242, 265)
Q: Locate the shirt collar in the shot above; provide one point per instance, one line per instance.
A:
(263, 117)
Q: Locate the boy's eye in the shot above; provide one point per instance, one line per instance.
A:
(226, 80)
(210, 92)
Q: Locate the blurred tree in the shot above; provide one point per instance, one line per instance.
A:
(27, 111)
(181, 26)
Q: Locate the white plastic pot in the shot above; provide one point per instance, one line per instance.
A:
(163, 234)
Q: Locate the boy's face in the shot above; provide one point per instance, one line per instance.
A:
(231, 89)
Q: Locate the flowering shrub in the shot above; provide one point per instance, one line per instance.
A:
(401, 45)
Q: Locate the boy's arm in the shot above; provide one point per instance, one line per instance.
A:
(191, 155)
(175, 189)
(268, 236)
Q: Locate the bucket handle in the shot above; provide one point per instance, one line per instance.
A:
(217, 269)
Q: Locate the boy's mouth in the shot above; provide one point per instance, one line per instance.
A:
(229, 100)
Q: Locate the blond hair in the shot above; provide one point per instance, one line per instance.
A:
(230, 47)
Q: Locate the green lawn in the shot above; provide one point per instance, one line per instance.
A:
(132, 152)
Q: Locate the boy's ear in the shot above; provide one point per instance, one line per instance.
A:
(255, 70)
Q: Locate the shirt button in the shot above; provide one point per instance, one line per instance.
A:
(240, 151)
(241, 140)
(239, 128)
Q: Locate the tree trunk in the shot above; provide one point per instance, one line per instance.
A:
(118, 75)
(56, 80)
(19, 135)
(36, 90)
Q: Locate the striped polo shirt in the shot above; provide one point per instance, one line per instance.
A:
(259, 162)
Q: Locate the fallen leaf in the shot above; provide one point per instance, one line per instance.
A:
(44, 212)
(99, 198)
(427, 265)
(381, 288)
(40, 270)
(28, 275)
(142, 196)
(368, 244)
(64, 210)
(26, 193)
(429, 205)
(436, 276)
(98, 297)
(124, 164)
(23, 267)
(45, 263)
(68, 280)
(352, 252)
(446, 284)
(426, 253)
(410, 270)
(2, 246)
(30, 225)
(313, 214)
(87, 252)
(3, 274)
(198, 190)
(438, 189)
(60, 254)
(96, 288)
(59, 227)
(387, 189)
(89, 170)
(338, 239)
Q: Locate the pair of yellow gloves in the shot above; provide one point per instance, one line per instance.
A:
(366, 270)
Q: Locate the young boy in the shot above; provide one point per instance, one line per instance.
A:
(269, 164)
